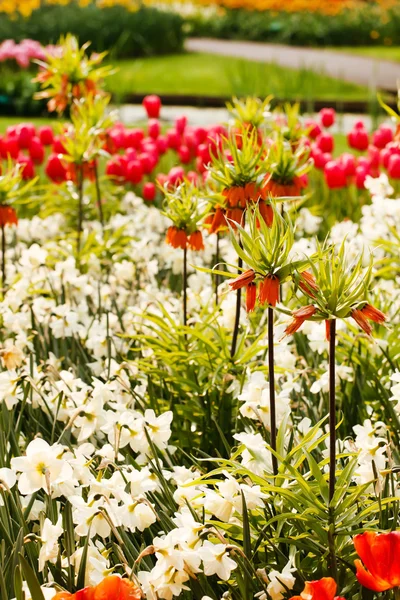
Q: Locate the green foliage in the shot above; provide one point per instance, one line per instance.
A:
(115, 29)
(305, 28)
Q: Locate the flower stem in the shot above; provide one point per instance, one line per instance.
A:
(3, 258)
(238, 301)
(271, 378)
(80, 210)
(184, 286)
(237, 314)
(332, 445)
(332, 408)
(216, 262)
(98, 194)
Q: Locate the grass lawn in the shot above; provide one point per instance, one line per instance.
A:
(206, 74)
(378, 52)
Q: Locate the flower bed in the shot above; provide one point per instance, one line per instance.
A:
(191, 402)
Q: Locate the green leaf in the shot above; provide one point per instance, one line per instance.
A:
(31, 579)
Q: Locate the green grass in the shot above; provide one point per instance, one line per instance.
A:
(209, 75)
(378, 52)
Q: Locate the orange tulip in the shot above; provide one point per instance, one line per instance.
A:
(322, 589)
(111, 588)
(380, 554)
(115, 588)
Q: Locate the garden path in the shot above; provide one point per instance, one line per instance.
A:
(371, 72)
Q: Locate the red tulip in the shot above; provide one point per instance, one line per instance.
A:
(379, 567)
(149, 191)
(25, 133)
(176, 176)
(134, 171)
(203, 152)
(394, 166)
(327, 116)
(55, 169)
(162, 144)
(320, 158)
(192, 177)
(374, 156)
(180, 124)
(325, 142)
(184, 155)
(348, 161)
(10, 148)
(173, 139)
(152, 106)
(361, 174)
(46, 135)
(313, 129)
(154, 128)
(201, 134)
(58, 147)
(36, 151)
(382, 136)
(335, 175)
(148, 162)
(133, 138)
(116, 168)
(28, 170)
(358, 139)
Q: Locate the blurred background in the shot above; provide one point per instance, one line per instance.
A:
(199, 53)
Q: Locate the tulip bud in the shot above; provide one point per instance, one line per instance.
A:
(335, 175)
(46, 135)
(36, 151)
(327, 116)
(394, 166)
(149, 191)
(154, 128)
(152, 106)
(134, 171)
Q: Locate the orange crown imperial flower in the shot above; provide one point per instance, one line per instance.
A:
(177, 238)
(299, 316)
(111, 588)
(379, 567)
(322, 589)
(267, 212)
(308, 284)
(361, 316)
(195, 240)
(251, 295)
(269, 290)
(8, 216)
(243, 280)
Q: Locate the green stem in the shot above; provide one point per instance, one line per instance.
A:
(184, 286)
(271, 378)
(238, 302)
(98, 194)
(332, 445)
(80, 210)
(3, 258)
(216, 276)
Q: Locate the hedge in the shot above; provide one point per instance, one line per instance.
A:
(125, 34)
